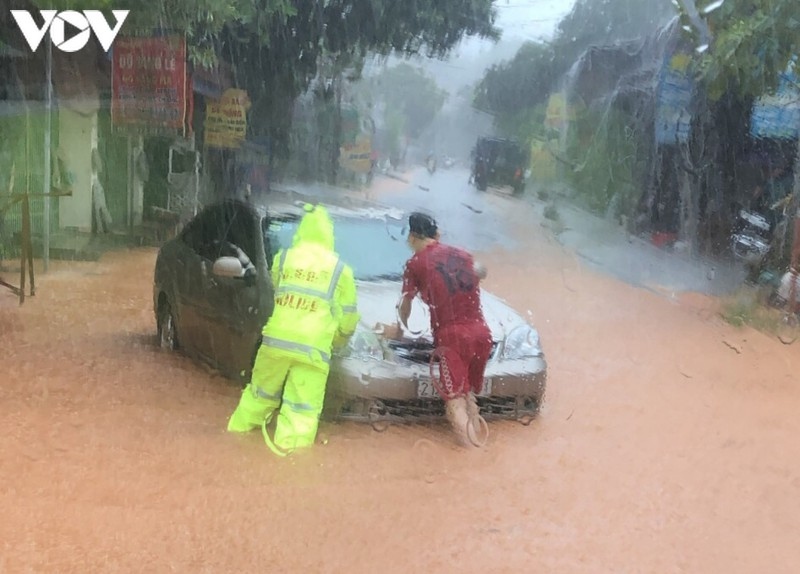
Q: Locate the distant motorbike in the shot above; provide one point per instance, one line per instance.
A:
(430, 163)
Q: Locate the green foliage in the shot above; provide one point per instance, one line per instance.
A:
(396, 129)
(746, 308)
(603, 148)
(61, 5)
(278, 61)
(752, 43)
(203, 21)
(535, 71)
(521, 82)
(306, 28)
(432, 27)
(277, 46)
(602, 22)
(411, 94)
(525, 125)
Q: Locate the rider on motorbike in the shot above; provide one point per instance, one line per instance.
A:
(430, 161)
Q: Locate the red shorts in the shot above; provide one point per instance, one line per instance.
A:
(462, 352)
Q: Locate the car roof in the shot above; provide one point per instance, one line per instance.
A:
(292, 203)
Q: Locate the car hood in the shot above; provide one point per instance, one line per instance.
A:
(377, 303)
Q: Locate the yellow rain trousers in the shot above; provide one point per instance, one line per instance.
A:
(315, 311)
(292, 384)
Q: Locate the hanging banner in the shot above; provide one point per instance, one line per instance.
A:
(226, 120)
(778, 115)
(673, 99)
(149, 83)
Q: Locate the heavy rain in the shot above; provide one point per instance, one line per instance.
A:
(451, 285)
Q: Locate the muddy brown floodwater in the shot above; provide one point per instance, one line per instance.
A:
(668, 443)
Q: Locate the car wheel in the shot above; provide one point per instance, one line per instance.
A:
(167, 331)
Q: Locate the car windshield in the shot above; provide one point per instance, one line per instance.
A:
(375, 248)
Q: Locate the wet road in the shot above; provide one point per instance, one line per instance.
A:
(482, 221)
(668, 442)
(466, 216)
(605, 246)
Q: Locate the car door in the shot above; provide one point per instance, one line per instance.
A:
(235, 304)
(189, 279)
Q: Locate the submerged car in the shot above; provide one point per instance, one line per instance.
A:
(212, 295)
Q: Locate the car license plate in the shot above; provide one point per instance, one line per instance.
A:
(426, 390)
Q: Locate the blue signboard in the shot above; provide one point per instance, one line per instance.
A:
(673, 100)
(777, 116)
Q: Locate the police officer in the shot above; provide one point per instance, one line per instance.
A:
(315, 311)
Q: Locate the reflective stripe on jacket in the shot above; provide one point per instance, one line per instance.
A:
(315, 292)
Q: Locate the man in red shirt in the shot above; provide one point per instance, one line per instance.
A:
(447, 279)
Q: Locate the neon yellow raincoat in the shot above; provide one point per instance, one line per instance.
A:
(315, 310)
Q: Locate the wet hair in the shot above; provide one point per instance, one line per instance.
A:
(422, 225)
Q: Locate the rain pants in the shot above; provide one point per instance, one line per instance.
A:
(315, 311)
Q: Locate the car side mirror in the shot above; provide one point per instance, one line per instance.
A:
(228, 267)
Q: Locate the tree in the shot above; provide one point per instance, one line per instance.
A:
(745, 47)
(410, 93)
(752, 42)
(276, 45)
(522, 82)
(276, 71)
(203, 21)
(527, 80)
(603, 22)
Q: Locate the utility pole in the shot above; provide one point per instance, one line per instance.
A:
(47, 160)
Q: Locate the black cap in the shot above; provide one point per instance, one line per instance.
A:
(422, 224)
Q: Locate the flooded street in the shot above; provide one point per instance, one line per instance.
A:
(668, 441)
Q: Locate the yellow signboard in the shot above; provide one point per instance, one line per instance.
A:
(226, 119)
(357, 158)
(543, 164)
(556, 111)
(560, 111)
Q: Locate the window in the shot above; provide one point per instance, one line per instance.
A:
(219, 229)
(278, 234)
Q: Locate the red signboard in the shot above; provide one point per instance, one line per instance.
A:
(150, 87)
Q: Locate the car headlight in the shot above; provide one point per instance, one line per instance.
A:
(364, 345)
(522, 343)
